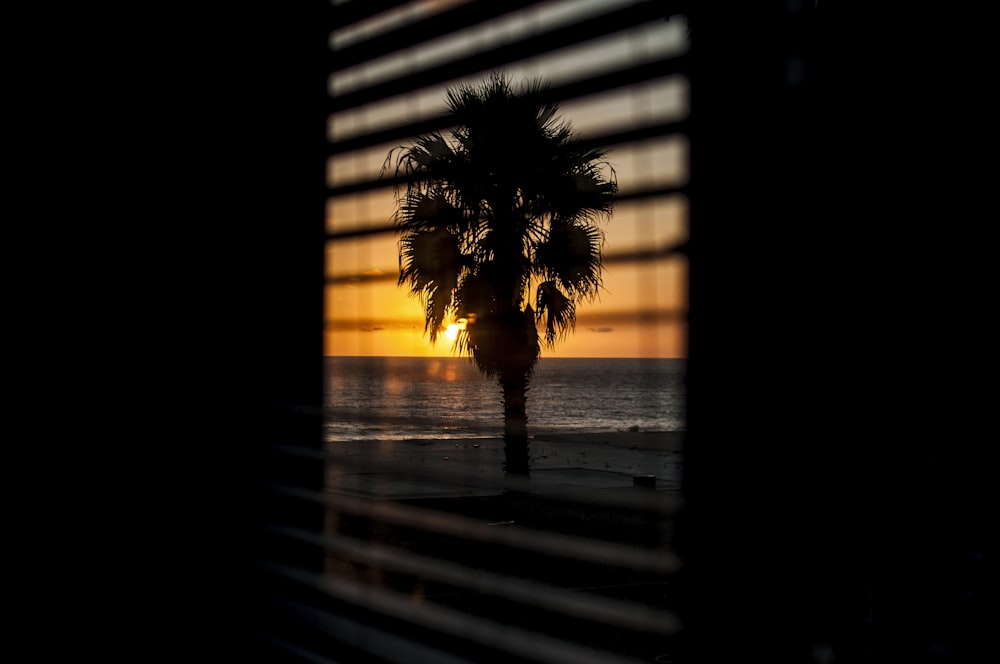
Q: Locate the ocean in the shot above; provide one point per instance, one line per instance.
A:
(401, 398)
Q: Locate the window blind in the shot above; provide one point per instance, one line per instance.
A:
(720, 120)
(403, 570)
(771, 227)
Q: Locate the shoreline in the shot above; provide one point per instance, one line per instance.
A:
(648, 440)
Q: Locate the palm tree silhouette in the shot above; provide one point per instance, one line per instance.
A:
(507, 204)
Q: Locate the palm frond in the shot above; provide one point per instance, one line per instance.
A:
(558, 310)
(506, 196)
(427, 210)
(430, 264)
(572, 256)
(474, 297)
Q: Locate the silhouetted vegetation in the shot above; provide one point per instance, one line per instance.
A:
(499, 231)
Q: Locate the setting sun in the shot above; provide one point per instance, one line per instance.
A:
(451, 332)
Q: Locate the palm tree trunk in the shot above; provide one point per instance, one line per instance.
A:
(515, 422)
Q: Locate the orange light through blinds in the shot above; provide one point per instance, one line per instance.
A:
(429, 553)
(717, 505)
(616, 68)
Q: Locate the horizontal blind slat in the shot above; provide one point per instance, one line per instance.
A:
(566, 602)
(526, 646)
(422, 30)
(433, 521)
(593, 85)
(574, 34)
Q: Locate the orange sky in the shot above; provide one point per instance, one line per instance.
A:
(367, 314)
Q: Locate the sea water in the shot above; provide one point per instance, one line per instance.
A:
(401, 398)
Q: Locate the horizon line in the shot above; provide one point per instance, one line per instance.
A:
(550, 357)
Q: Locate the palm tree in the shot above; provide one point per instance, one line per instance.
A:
(506, 204)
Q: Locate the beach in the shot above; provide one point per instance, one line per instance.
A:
(584, 531)
(430, 468)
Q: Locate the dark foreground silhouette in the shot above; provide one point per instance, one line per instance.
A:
(509, 200)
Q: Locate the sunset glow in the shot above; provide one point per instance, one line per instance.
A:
(640, 310)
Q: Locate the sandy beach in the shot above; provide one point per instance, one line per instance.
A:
(646, 440)
(583, 499)
(441, 468)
